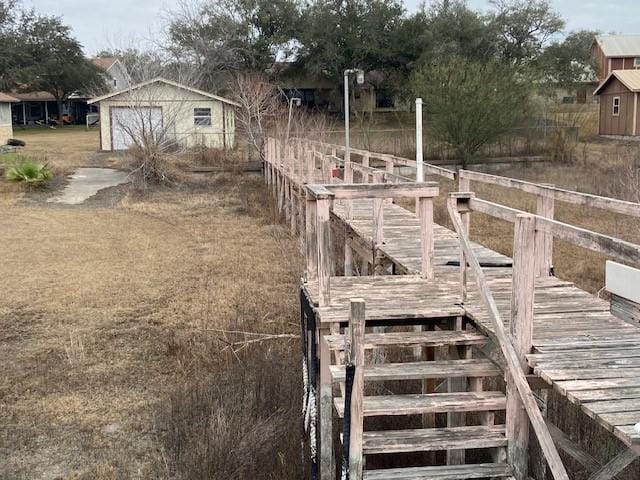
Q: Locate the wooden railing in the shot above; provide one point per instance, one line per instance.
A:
(527, 229)
(521, 403)
(546, 195)
(318, 230)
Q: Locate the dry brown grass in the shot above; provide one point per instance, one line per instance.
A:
(110, 368)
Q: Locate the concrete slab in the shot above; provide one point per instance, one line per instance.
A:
(86, 182)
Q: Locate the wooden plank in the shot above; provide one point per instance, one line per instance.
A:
(521, 327)
(433, 439)
(327, 461)
(623, 281)
(323, 230)
(418, 370)
(357, 327)
(416, 404)
(383, 190)
(544, 241)
(445, 472)
(413, 338)
(569, 196)
(615, 466)
(426, 236)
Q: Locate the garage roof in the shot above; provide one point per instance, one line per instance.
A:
(629, 78)
(167, 82)
(619, 45)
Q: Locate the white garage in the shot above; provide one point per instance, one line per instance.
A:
(165, 111)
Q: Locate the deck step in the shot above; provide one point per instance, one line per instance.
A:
(416, 404)
(444, 472)
(433, 439)
(438, 338)
(420, 370)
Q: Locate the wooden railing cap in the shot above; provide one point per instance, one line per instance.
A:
(319, 192)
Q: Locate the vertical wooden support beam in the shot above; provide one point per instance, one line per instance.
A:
(388, 167)
(348, 256)
(311, 163)
(325, 410)
(332, 168)
(544, 241)
(521, 326)
(357, 324)
(365, 163)
(426, 236)
(311, 240)
(378, 226)
(323, 229)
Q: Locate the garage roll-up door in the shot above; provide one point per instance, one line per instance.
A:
(130, 124)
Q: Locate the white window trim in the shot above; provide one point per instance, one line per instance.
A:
(613, 107)
(636, 62)
(202, 117)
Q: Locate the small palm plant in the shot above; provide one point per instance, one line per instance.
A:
(29, 172)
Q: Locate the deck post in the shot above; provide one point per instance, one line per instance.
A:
(311, 162)
(325, 410)
(544, 241)
(365, 163)
(323, 229)
(388, 167)
(357, 327)
(311, 239)
(464, 185)
(332, 168)
(378, 226)
(426, 236)
(521, 326)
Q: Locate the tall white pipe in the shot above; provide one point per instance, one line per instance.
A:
(347, 152)
(419, 158)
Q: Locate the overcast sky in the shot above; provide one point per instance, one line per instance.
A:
(114, 23)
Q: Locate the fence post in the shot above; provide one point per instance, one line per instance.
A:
(311, 239)
(323, 229)
(311, 162)
(365, 163)
(521, 326)
(426, 236)
(545, 206)
(357, 327)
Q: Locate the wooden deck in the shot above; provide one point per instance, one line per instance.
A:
(443, 296)
(586, 353)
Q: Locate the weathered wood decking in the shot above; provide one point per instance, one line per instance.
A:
(586, 353)
(402, 270)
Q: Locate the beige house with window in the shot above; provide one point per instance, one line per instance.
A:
(619, 112)
(167, 111)
(6, 128)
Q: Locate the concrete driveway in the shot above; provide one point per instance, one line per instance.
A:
(86, 182)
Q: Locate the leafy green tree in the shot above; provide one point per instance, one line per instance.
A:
(232, 35)
(570, 62)
(524, 28)
(341, 34)
(471, 103)
(11, 59)
(56, 62)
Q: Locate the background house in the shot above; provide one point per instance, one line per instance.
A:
(619, 115)
(6, 128)
(163, 108)
(115, 74)
(616, 52)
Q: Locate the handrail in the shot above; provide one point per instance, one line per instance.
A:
(578, 198)
(508, 350)
(428, 168)
(597, 242)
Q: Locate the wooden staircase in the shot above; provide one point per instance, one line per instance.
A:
(455, 416)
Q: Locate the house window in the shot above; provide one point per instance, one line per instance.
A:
(636, 62)
(202, 116)
(616, 106)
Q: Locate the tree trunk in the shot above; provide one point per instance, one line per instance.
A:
(59, 102)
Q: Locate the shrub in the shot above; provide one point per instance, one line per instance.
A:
(30, 172)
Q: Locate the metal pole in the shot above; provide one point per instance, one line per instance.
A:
(289, 120)
(419, 158)
(347, 153)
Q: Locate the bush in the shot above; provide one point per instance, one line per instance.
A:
(28, 171)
